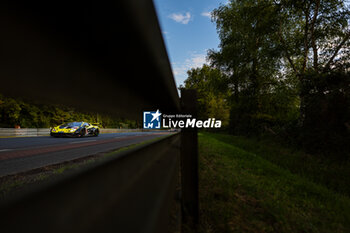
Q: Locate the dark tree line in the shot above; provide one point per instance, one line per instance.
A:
(282, 68)
(16, 112)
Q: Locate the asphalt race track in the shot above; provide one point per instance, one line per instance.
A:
(27, 153)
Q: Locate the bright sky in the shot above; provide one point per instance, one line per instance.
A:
(188, 32)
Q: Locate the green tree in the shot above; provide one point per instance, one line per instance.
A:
(314, 34)
(10, 112)
(212, 92)
(287, 60)
(251, 56)
(247, 53)
(29, 115)
(315, 38)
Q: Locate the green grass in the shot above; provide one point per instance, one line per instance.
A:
(326, 171)
(248, 186)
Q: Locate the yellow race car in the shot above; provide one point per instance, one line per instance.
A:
(75, 129)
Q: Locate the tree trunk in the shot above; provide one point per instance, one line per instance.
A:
(312, 36)
(236, 89)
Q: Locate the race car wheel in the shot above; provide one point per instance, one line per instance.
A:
(96, 133)
(82, 133)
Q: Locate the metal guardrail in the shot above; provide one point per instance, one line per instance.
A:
(31, 132)
(11, 132)
(131, 192)
(63, 53)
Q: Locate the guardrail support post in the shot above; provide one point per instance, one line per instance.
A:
(189, 165)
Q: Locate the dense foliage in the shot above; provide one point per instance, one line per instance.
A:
(212, 92)
(15, 112)
(286, 71)
(326, 120)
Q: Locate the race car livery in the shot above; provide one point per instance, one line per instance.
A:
(75, 129)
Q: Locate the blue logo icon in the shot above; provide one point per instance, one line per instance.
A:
(151, 120)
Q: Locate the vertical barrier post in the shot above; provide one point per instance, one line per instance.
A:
(189, 165)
